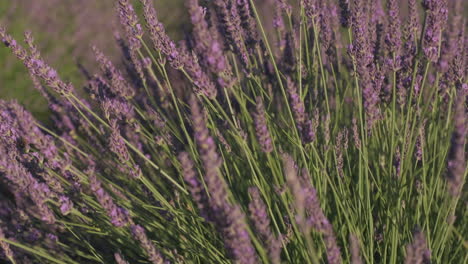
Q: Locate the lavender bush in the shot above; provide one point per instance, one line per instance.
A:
(333, 133)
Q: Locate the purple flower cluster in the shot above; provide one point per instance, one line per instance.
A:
(139, 234)
(228, 219)
(261, 221)
(436, 16)
(261, 127)
(457, 154)
(309, 212)
(181, 155)
(417, 252)
(119, 216)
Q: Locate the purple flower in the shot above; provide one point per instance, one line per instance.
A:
(200, 78)
(393, 36)
(311, 7)
(345, 14)
(207, 46)
(261, 222)
(117, 144)
(228, 219)
(196, 189)
(36, 66)
(457, 153)
(261, 128)
(309, 212)
(65, 205)
(436, 16)
(230, 25)
(326, 31)
(17, 49)
(153, 254)
(340, 146)
(129, 19)
(354, 249)
(417, 252)
(295, 186)
(303, 123)
(248, 23)
(119, 259)
(6, 247)
(317, 220)
(119, 216)
(208, 154)
(161, 40)
(118, 85)
(453, 41)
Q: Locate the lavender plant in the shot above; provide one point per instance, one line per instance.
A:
(233, 145)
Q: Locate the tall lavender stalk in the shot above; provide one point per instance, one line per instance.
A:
(354, 249)
(119, 259)
(153, 254)
(345, 14)
(228, 219)
(129, 20)
(160, 39)
(457, 155)
(6, 247)
(261, 127)
(303, 122)
(178, 58)
(363, 57)
(393, 36)
(208, 47)
(248, 23)
(261, 222)
(309, 213)
(119, 217)
(436, 16)
(37, 66)
(318, 220)
(230, 26)
(417, 252)
(197, 191)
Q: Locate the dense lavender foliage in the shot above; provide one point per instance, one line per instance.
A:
(334, 132)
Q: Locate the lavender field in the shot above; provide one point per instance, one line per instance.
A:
(238, 131)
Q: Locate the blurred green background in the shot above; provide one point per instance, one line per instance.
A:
(65, 30)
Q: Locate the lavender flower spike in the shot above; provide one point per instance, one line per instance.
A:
(119, 216)
(228, 219)
(294, 184)
(417, 252)
(309, 213)
(303, 123)
(345, 14)
(261, 221)
(139, 234)
(248, 22)
(393, 36)
(160, 39)
(436, 11)
(457, 154)
(119, 259)
(6, 247)
(118, 85)
(117, 144)
(230, 24)
(261, 128)
(195, 187)
(354, 249)
(129, 19)
(36, 66)
(319, 221)
(207, 46)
